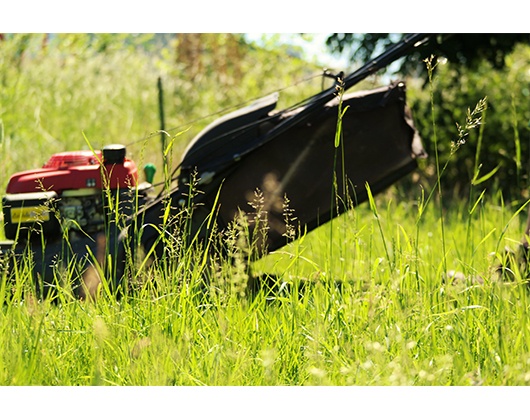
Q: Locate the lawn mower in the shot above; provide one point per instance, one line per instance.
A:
(88, 209)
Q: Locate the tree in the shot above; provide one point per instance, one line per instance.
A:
(466, 50)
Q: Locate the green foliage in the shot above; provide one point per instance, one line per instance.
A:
(54, 88)
(496, 152)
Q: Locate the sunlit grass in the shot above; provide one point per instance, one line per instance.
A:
(354, 320)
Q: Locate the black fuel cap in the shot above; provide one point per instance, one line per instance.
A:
(114, 153)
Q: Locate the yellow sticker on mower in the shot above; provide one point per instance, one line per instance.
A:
(30, 214)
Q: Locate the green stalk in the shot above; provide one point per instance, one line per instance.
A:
(430, 69)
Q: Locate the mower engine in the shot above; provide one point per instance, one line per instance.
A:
(75, 192)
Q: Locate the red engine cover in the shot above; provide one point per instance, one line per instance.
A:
(73, 171)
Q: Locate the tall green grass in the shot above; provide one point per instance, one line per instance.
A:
(357, 319)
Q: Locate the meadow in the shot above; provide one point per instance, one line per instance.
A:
(378, 311)
(362, 300)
